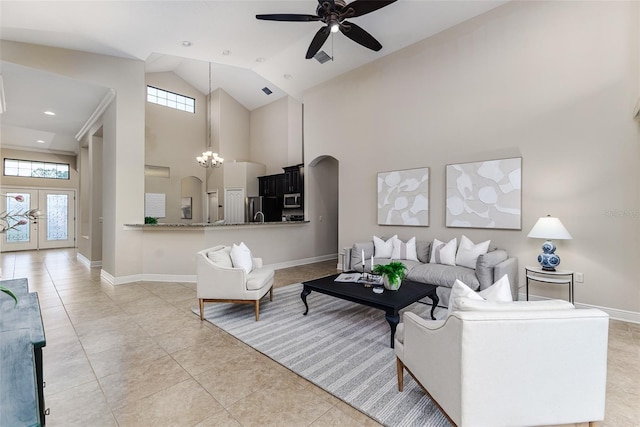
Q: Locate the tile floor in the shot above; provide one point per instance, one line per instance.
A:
(135, 355)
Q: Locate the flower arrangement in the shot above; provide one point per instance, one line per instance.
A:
(392, 274)
(11, 220)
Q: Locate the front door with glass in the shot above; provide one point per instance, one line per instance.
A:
(54, 227)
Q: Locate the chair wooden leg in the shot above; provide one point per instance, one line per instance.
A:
(257, 305)
(201, 301)
(400, 367)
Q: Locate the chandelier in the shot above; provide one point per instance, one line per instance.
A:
(209, 159)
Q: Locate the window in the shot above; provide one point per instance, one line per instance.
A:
(35, 169)
(170, 99)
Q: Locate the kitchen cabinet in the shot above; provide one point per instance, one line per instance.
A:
(293, 179)
(271, 185)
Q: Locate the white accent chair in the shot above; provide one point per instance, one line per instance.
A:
(515, 363)
(218, 281)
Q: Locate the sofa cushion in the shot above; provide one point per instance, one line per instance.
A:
(382, 248)
(444, 253)
(221, 257)
(485, 264)
(443, 275)
(468, 252)
(259, 278)
(402, 250)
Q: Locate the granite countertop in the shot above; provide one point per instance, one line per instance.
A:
(207, 225)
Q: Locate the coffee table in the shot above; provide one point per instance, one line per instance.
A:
(391, 302)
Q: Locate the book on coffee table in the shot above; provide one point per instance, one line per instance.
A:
(348, 277)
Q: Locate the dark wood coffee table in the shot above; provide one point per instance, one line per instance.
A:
(391, 302)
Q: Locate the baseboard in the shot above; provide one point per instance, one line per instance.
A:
(614, 313)
(191, 278)
(91, 264)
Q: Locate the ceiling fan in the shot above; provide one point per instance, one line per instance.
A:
(333, 13)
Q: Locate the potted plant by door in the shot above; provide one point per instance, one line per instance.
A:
(392, 274)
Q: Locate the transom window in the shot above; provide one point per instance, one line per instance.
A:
(35, 169)
(170, 99)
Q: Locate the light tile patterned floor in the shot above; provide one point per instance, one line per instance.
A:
(135, 355)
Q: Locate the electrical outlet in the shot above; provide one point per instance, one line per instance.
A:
(320, 218)
(579, 277)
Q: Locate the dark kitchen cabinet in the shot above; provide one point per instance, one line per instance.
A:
(293, 179)
(271, 185)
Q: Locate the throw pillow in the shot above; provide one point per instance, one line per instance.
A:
(499, 291)
(423, 250)
(383, 249)
(444, 253)
(221, 257)
(468, 252)
(241, 257)
(403, 250)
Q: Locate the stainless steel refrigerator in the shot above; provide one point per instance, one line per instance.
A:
(271, 208)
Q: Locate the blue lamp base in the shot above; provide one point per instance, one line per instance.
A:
(548, 259)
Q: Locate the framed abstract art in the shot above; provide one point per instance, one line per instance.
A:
(403, 197)
(485, 194)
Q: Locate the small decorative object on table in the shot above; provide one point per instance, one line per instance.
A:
(392, 274)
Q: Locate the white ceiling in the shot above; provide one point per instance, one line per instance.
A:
(153, 31)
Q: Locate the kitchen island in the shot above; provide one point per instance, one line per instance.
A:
(168, 250)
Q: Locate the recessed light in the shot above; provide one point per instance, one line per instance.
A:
(261, 59)
(50, 113)
(226, 52)
(288, 76)
(40, 141)
(186, 43)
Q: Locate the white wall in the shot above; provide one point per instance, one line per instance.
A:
(553, 82)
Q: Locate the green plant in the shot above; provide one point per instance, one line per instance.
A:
(394, 271)
(150, 220)
(11, 294)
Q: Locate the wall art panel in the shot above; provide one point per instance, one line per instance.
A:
(485, 194)
(403, 197)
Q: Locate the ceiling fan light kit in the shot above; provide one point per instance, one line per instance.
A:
(333, 13)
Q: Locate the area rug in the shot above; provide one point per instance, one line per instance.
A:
(340, 346)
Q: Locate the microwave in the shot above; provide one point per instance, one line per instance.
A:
(292, 201)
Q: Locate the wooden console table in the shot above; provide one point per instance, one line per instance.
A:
(21, 342)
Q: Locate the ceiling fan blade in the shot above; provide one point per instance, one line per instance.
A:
(360, 36)
(362, 7)
(317, 42)
(290, 17)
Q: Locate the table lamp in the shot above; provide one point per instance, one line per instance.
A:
(549, 228)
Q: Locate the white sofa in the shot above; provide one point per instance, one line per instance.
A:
(218, 281)
(509, 364)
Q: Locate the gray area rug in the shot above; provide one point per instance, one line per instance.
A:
(340, 346)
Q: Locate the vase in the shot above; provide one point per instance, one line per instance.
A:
(392, 286)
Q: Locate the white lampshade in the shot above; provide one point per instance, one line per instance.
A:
(549, 227)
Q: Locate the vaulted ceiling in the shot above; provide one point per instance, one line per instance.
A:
(246, 54)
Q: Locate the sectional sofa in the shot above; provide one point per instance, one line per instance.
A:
(489, 267)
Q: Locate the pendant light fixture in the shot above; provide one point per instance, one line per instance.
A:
(209, 159)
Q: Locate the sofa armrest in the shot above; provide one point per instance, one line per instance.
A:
(510, 268)
(218, 282)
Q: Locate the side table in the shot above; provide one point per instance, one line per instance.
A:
(558, 277)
